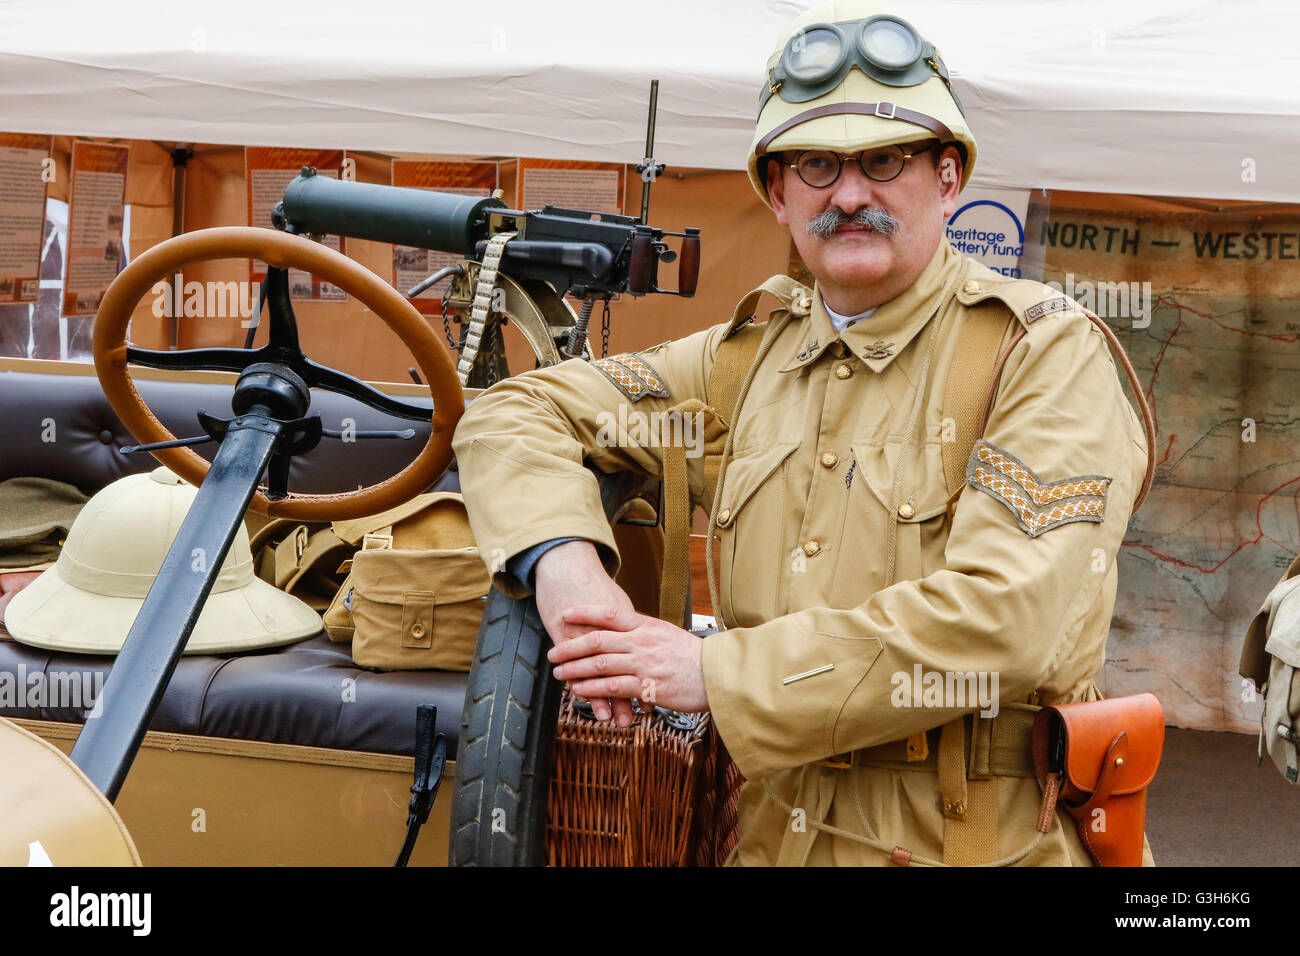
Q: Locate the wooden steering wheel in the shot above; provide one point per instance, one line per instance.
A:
(279, 250)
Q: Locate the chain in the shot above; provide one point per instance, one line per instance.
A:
(446, 327)
(604, 330)
(483, 294)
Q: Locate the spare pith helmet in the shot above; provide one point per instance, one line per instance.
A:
(851, 75)
(88, 601)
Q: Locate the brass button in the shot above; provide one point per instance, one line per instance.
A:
(906, 511)
(970, 287)
(811, 547)
(724, 516)
(843, 371)
(417, 630)
(829, 459)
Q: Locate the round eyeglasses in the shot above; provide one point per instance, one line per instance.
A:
(820, 168)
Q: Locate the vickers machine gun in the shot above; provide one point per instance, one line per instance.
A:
(518, 263)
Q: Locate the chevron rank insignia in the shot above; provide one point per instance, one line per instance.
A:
(1038, 506)
(632, 375)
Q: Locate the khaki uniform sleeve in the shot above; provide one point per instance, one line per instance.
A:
(821, 681)
(521, 445)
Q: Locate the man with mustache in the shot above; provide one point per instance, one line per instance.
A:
(883, 547)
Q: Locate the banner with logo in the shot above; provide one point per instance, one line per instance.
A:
(989, 226)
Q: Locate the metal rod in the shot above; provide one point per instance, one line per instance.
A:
(108, 744)
(456, 269)
(649, 152)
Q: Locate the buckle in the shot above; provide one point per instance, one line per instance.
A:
(893, 108)
(840, 761)
(376, 542)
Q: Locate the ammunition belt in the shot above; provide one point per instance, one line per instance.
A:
(483, 292)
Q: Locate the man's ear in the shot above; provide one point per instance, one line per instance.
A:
(950, 171)
(776, 189)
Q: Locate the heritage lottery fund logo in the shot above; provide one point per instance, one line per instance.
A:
(77, 909)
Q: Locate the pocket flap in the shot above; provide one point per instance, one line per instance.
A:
(747, 473)
(387, 576)
(923, 483)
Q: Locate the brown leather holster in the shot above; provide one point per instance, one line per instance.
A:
(1100, 756)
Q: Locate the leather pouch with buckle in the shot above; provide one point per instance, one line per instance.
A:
(1102, 755)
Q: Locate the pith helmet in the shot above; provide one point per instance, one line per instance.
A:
(851, 75)
(88, 601)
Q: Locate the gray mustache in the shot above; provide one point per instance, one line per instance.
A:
(824, 226)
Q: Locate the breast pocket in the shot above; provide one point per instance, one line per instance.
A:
(922, 503)
(752, 532)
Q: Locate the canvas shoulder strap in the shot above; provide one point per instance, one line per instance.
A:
(741, 341)
(731, 365)
(966, 390)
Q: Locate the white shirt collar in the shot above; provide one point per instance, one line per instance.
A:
(842, 322)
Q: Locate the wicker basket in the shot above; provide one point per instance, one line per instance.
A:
(661, 792)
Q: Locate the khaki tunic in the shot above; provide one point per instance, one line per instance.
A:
(839, 437)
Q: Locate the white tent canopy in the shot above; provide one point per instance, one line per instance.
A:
(1195, 98)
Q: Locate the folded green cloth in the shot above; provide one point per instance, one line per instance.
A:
(35, 515)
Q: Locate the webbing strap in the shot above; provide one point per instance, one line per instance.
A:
(974, 841)
(735, 355)
(677, 536)
(731, 366)
(737, 350)
(969, 379)
(970, 807)
(298, 551)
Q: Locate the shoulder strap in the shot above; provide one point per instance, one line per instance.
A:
(970, 379)
(1028, 302)
(741, 341)
(731, 365)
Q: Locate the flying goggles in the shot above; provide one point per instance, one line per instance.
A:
(886, 48)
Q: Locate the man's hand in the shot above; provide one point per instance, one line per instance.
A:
(625, 654)
(569, 574)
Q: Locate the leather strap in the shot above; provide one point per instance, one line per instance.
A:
(430, 760)
(884, 109)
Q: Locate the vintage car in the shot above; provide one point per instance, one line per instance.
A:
(296, 755)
